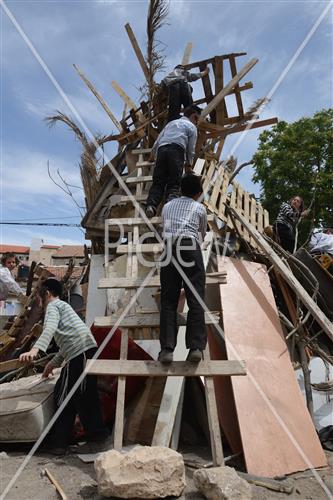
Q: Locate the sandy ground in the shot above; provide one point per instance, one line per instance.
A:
(78, 480)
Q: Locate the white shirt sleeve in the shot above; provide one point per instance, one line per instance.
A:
(192, 140)
(8, 281)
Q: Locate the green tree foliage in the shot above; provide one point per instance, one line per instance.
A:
(297, 159)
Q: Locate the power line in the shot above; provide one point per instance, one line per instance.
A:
(39, 224)
(45, 218)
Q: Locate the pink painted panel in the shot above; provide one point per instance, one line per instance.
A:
(276, 429)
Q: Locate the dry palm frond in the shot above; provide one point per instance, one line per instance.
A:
(89, 162)
(157, 13)
(254, 110)
(230, 164)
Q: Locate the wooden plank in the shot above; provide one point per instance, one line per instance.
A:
(96, 299)
(126, 199)
(295, 285)
(213, 419)
(187, 53)
(221, 108)
(151, 320)
(246, 214)
(137, 180)
(156, 369)
(141, 151)
(128, 101)
(99, 98)
(137, 51)
(269, 398)
(208, 90)
(253, 217)
(218, 131)
(260, 218)
(12, 364)
(120, 405)
(140, 248)
(139, 221)
(221, 95)
(237, 92)
(152, 283)
(211, 60)
(199, 166)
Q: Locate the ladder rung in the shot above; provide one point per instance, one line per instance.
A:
(157, 369)
(144, 164)
(137, 197)
(153, 282)
(141, 151)
(140, 248)
(137, 180)
(139, 221)
(150, 320)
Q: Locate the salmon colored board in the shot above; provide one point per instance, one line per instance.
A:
(277, 432)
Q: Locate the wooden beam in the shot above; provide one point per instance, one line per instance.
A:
(152, 283)
(150, 320)
(187, 53)
(288, 276)
(138, 221)
(224, 131)
(221, 108)
(136, 180)
(157, 369)
(128, 101)
(137, 51)
(99, 98)
(196, 64)
(237, 92)
(140, 248)
(221, 95)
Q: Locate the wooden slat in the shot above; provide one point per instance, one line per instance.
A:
(99, 98)
(221, 95)
(221, 109)
(223, 132)
(211, 60)
(260, 215)
(208, 90)
(128, 101)
(139, 221)
(140, 248)
(305, 298)
(187, 53)
(137, 51)
(151, 320)
(152, 283)
(246, 214)
(121, 387)
(253, 217)
(141, 151)
(213, 419)
(137, 180)
(157, 369)
(126, 199)
(237, 92)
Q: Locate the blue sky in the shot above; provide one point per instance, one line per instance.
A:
(91, 34)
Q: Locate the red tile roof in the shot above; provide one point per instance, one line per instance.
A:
(67, 251)
(60, 271)
(14, 249)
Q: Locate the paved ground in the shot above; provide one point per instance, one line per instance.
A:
(78, 480)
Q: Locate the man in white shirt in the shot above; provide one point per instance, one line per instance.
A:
(184, 222)
(174, 147)
(322, 241)
(7, 283)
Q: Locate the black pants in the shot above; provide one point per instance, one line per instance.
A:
(171, 284)
(179, 94)
(167, 174)
(84, 402)
(285, 236)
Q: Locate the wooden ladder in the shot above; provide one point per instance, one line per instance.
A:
(137, 320)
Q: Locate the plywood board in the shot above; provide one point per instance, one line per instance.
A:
(277, 433)
(96, 300)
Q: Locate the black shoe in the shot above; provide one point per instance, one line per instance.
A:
(150, 211)
(93, 446)
(195, 356)
(165, 356)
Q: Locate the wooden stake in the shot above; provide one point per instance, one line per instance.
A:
(137, 51)
(99, 98)
(187, 53)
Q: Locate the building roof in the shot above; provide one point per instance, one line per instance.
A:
(14, 249)
(51, 247)
(67, 251)
(60, 271)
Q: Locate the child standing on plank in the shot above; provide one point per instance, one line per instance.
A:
(76, 344)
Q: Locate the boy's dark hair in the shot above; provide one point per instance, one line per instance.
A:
(190, 110)
(190, 185)
(9, 255)
(53, 286)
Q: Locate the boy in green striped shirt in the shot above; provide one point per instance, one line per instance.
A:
(76, 344)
